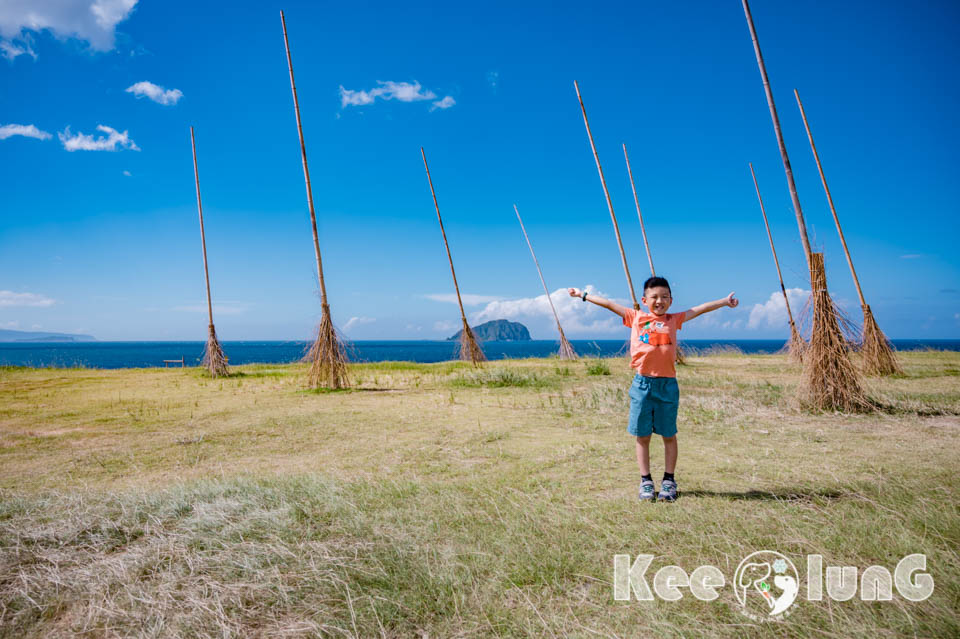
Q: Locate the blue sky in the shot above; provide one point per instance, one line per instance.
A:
(103, 239)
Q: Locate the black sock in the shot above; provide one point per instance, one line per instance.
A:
(646, 478)
(669, 476)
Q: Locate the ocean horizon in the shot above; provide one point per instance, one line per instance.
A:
(148, 354)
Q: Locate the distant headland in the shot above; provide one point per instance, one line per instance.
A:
(500, 330)
(7, 335)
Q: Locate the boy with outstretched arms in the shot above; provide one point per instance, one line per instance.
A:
(654, 395)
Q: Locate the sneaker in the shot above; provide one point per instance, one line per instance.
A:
(646, 490)
(668, 491)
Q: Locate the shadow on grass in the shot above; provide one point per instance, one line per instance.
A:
(764, 495)
(331, 391)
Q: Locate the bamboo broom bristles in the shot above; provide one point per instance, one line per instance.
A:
(213, 358)
(566, 349)
(469, 348)
(876, 351)
(327, 356)
(796, 344)
(606, 193)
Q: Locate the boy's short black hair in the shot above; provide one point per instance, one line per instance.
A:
(654, 282)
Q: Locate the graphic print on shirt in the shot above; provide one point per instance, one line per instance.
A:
(654, 333)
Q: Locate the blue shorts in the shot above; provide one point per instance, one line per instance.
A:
(653, 406)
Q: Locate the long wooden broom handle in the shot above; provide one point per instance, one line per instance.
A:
(203, 238)
(463, 315)
(539, 272)
(306, 171)
(770, 237)
(833, 210)
(791, 184)
(636, 201)
(606, 193)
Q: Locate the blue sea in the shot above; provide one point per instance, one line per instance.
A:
(147, 354)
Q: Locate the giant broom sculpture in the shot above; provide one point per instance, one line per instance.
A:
(796, 345)
(213, 358)
(878, 358)
(829, 380)
(327, 357)
(469, 348)
(566, 349)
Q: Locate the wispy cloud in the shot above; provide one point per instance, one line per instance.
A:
(493, 78)
(390, 90)
(157, 93)
(911, 256)
(468, 299)
(9, 298)
(126, 173)
(83, 142)
(10, 50)
(91, 21)
(444, 326)
(773, 312)
(576, 317)
(357, 321)
(445, 103)
(26, 130)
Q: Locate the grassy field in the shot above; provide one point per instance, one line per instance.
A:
(436, 500)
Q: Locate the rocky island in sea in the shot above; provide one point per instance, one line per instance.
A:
(500, 330)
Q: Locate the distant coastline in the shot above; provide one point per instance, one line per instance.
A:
(12, 336)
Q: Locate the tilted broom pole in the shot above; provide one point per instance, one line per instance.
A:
(203, 237)
(306, 171)
(566, 349)
(833, 210)
(791, 184)
(772, 249)
(636, 201)
(467, 338)
(606, 193)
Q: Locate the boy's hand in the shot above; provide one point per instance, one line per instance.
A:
(732, 301)
(574, 292)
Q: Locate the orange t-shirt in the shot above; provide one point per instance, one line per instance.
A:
(653, 342)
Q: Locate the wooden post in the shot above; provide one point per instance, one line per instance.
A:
(566, 350)
(203, 238)
(833, 210)
(791, 184)
(774, 250)
(306, 171)
(636, 201)
(606, 193)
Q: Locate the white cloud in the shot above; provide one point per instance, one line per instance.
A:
(468, 299)
(357, 321)
(12, 325)
(493, 77)
(220, 308)
(84, 142)
(575, 315)
(9, 298)
(445, 103)
(26, 130)
(90, 21)
(911, 256)
(156, 93)
(402, 91)
(10, 50)
(773, 312)
(127, 173)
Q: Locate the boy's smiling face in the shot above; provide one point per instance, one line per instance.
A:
(657, 299)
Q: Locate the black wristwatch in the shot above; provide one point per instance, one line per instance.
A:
(584, 296)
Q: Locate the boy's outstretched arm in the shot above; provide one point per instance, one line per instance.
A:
(706, 307)
(599, 301)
